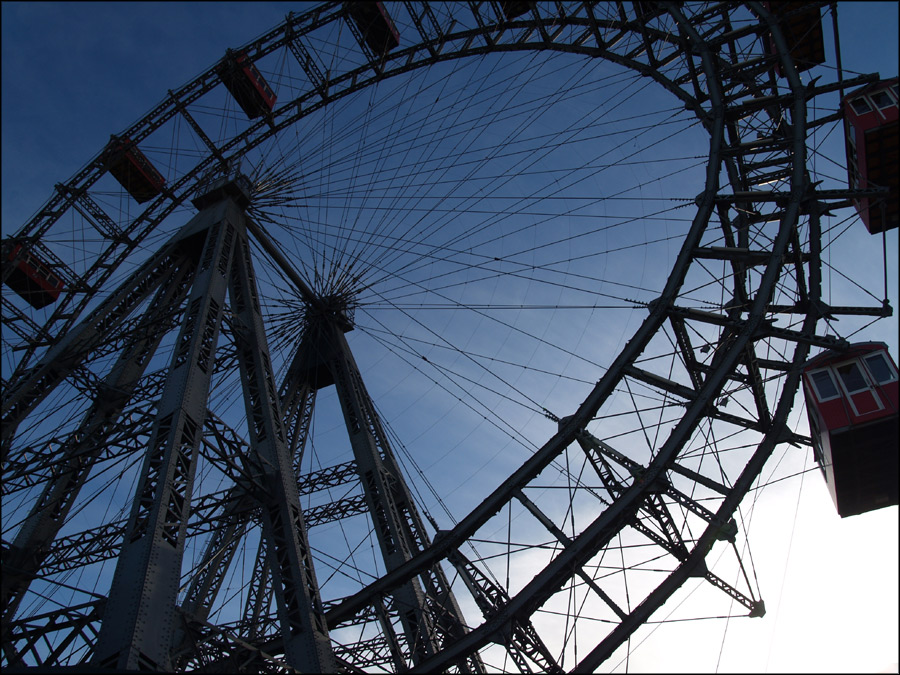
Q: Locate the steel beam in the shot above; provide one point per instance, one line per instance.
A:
(85, 444)
(140, 620)
(305, 634)
(62, 359)
(427, 609)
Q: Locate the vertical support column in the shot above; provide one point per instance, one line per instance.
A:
(220, 550)
(380, 491)
(217, 557)
(428, 610)
(83, 446)
(298, 399)
(259, 593)
(305, 634)
(140, 618)
(306, 375)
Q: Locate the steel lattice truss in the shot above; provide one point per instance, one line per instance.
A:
(143, 348)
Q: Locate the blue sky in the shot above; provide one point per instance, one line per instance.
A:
(73, 73)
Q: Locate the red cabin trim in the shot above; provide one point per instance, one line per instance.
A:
(247, 85)
(32, 279)
(872, 140)
(513, 9)
(376, 26)
(133, 170)
(846, 390)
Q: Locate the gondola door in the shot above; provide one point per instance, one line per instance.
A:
(857, 389)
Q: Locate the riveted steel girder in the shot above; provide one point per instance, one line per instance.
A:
(427, 609)
(140, 618)
(84, 445)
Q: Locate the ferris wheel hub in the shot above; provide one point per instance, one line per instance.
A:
(333, 308)
(216, 186)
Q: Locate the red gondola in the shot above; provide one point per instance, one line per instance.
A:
(648, 10)
(801, 25)
(132, 169)
(376, 26)
(513, 9)
(851, 402)
(871, 130)
(32, 279)
(249, 88)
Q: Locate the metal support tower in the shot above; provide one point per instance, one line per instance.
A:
(81, 449)
(206, 261)
(198, 277)
(755, 234)
(427, 611)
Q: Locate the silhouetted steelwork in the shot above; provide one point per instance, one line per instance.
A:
(202, 282)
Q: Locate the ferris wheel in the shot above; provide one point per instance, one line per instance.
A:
(416, 336)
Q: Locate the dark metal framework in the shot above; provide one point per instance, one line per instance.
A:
(202, 282)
